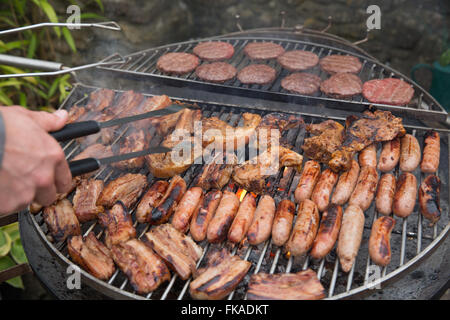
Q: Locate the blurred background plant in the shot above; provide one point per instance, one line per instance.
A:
(35, 92)
(31, 92)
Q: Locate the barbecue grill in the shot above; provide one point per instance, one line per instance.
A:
(412, 241)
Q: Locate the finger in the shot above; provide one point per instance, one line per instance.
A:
(63, 177)
(46, 195)
(49, 121)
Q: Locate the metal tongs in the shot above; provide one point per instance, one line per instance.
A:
(55, 68)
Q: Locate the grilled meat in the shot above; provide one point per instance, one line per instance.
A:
(126, 189)
(118, 224)
(98, 101)
(186, 207)
(302, 285)
(166, 165)
(259, 74)
(177, 63)
(175, 191)
(217, 174)
(152, 104)
(137, 140)
(362, 131)
(214, 50)
(91, 255)
(327, 138)
(61, 220)
(150, 200)
(96, 150)
(75, 113)
(145, 270)
(252, 174)
(85, 199)
(221, 276)
(217, 72)
(179, 251)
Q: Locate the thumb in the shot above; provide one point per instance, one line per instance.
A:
(50, 121)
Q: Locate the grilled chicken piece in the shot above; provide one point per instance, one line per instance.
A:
(327, 138)
(252, 174)
(91, 255)
(217, 174)
(151, 104)
(98, 101)
(118, 224)
(126, 189)
(276, 121)
(223, 135)
(166, 165)
(221, 276)
(362, 131)
(145, 270)
(150, 200)
(61, 220)
(96, 150)
(178, 250)
(85, 199)
(302, 285)
(75, 113)
(136, 140)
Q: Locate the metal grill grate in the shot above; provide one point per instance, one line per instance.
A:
(412, 240)
(143, 64)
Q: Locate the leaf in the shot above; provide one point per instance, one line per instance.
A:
(32, 46)
(5, 100)
(89, 15)
(5, 263)
(12, 230)
(5, 243)
(13, 82)
(17, 252)
(53, 87)
(68, 36)
(51, 14)
(9, 69)
(23, 99)
(100, 5)
(445, 58)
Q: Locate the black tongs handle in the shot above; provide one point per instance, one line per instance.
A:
(76, 130)
(79, 167)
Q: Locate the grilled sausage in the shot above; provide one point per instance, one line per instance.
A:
(328, 232)
(429, 195)
(389, 156)
(368, 156)
(324, 187)
(385, 194)
(243, 219)
(409, 153)
(366, 186)
(308, 180)
(201, 218)
(346, 184)
(221, 222)
(304, 230)
(350, 236)
(431, 152)
(405, 195)
(150, 200)
(188, 205)
(261, 226)
(379, 242)
(169, 202)
(282, 223)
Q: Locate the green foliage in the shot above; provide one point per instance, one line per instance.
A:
(445, 58)
(35, 93)
(11, 251)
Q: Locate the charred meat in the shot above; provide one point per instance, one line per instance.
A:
(150, 200)
(61, 220)
(91, 255)
(145, 270)
(126, 189)
(302, 285)
(217, 174)
(85, 199)
(220, 277)
(118, 224)
(137, 140)
(178, 250)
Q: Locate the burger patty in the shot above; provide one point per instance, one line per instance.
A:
(257, 74)
(388, 91)
(214, 50)
(263, 50)
(342, 85)
(340, 64)
(177, 63)
(298, 60)
(216, 72)
(301, 82)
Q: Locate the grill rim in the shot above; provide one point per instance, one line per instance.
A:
(360, 291)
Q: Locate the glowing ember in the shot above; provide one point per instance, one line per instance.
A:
(241, 194)
(288, 254)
